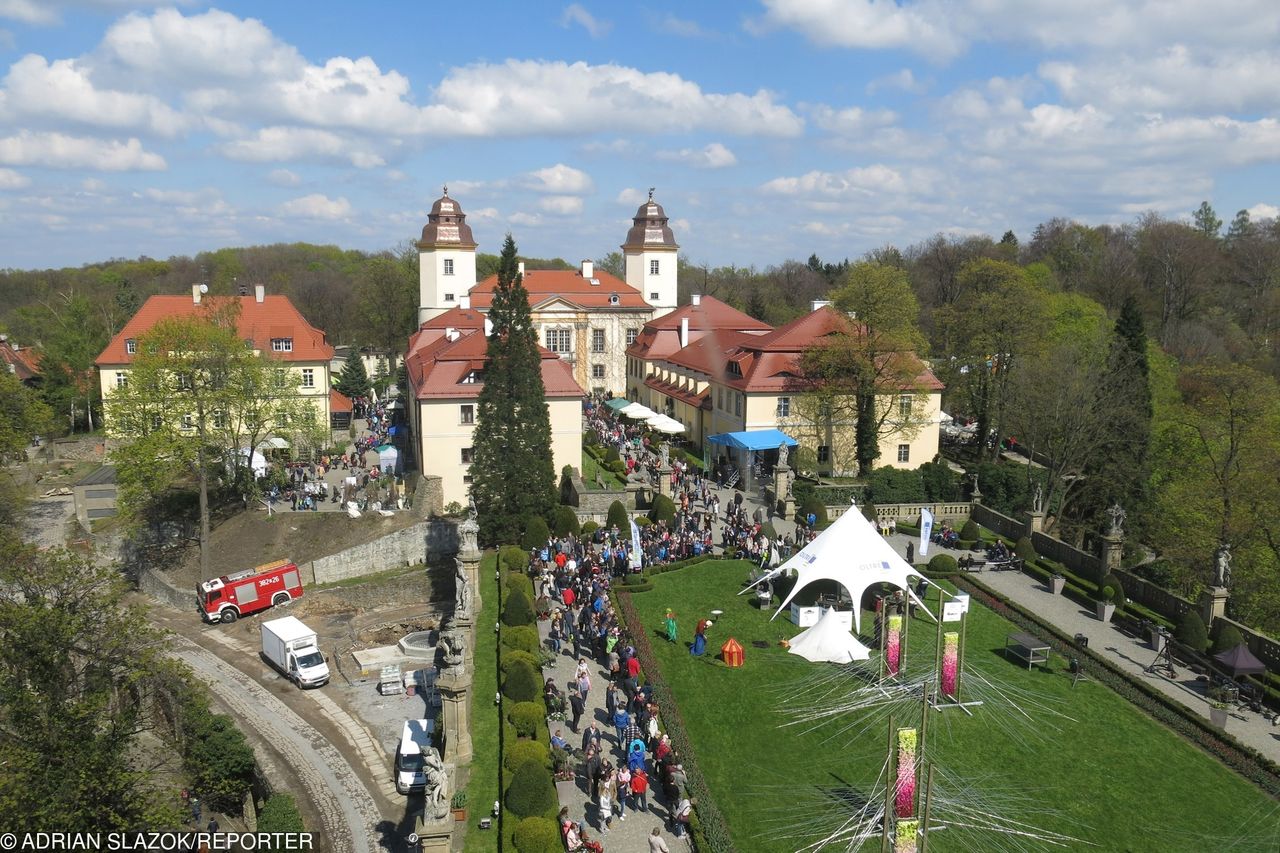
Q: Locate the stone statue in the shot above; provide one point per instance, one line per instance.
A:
(1037, 500)
(665, 449)
(973, 475)
(1117, 514)
(462, 593)
(436, 793)
(1222, 565)
(453, 647)
(784, 454)
(469, 532)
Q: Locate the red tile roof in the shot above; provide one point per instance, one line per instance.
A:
(338, 402)
(274, 317)
(675, 392)
(661, 336)
(569, 285)
(23, 363)
(439, 361)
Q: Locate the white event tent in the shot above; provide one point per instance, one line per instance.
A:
(828, 640)
(855, 555)
(637, 411)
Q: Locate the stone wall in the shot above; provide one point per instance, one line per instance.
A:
(1154, 597)
(428, 496)
(1082, 563)
(956, 512)
(424, 542)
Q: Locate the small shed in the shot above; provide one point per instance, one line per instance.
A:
(339, 410)
(732, 653)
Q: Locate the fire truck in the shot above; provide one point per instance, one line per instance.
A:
(227, 598)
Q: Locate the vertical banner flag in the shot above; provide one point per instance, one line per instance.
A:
(926, 528)
(636, 552)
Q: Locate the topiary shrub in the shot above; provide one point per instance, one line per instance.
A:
(589, 527)
(1026, 550)
(520, 581)
(537, 835)
(768, 530)
(663, 509)
(521, 683)
(1191, 632)
(510, 656)
(513, 558)
(970, 530)
(813, 506)
(280, 814)
(943, 563)
(643, 522)
(532, 791)
(612, 455)
(1228, 638)
(518, 609)
(566, 521)
(523, 638)
(526, 716)
(1110, 589)
(536, 533)
(618, 516)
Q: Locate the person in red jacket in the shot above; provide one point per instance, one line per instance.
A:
(639, 790)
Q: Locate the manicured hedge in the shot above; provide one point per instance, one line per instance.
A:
(538, 835)
(522, 638)
(532, 792)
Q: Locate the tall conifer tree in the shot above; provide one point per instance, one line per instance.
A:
(512, 475)
(353, 381)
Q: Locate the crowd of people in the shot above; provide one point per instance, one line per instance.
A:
(621, 765)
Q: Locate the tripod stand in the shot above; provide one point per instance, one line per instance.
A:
(1164, 658)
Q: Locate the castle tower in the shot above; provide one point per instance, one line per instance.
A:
(650, 254)
(446, 259)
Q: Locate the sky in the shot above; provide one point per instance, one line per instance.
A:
(770, 129)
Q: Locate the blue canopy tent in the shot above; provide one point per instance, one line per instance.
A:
(756, 439)
(748, 451)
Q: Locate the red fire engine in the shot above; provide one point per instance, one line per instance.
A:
(228, 598)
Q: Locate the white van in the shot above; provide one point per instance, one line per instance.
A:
(415, 739)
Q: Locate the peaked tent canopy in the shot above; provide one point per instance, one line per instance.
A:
(617, 404)
(828, 641)
(662, 423)
(852, 553)
(637, 411)
(756, 439)
(1240, 661)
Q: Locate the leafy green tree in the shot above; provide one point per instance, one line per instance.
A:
(388, 290)
(71, 335)
(22, 415)
(75, 664)
(353, 381)
(513, 475)
(280, 814)
(871, 374)
(216, 757)
(1206, 220)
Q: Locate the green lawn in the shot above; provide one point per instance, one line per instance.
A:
(482, 788)
(1110, 776)
(590, 467)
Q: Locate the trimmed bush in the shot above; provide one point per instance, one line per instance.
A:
(589, 528)
(523, 638)
(1026, 550)
(643, 522)
(510, 656)
(521, 683)
(768, 530)
(532, 791)
(664, 509)
(813, 506)
(526, 716)
(280, 814)
(518, 609)
(538, 835)
(612, 455)
(519, 751)
(513, 558)
(970, 531)
(1228, 638)
(536, 533)
(1191, 632)
(566, 521)
(618, 516)
(520, 581)
(942, 563)
(1110, 589)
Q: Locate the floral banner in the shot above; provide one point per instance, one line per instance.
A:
(904, 836)
(950, 663)
(893, 644)
(904, 800)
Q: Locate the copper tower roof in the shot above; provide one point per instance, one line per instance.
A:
(649, 229)
(446, 226)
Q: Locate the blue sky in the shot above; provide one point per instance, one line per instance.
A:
(771, 129)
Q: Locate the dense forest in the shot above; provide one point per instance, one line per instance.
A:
(1138, 362)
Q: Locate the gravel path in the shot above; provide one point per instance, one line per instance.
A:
(345, 805)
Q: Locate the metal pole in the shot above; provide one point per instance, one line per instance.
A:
(964, 617)
(890, 777)
(924, 732)
(924, 820)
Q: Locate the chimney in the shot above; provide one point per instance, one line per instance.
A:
(819, 303)
(588, 269)
(196, 291)
(464, 302)
(520, 268)
(450, 333)
(684, 331)
(259, 292)
(697, 299)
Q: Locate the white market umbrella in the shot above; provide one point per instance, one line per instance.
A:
(637, 411)
(671, 426)
(828, 641)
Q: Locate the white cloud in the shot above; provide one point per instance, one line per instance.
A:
(575, 14)
(529, 219)
(316, 206)
(863, 24)
(671, 25)
(11, 180)
(903, 80)
(559, 179)
(64, 90)
(849, 183)
(93, 185)
(631, 195)
(59, 151)
(29, 11)
(562, 205)
(850, 119)
(283, 178)
(285, 144)
(1262, 210)
(713, 156)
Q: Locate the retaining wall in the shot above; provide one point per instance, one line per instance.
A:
(424, 542)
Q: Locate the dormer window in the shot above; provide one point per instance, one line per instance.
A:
(130, 346)
(471, 378)
(613, 299)
(735, 369)
(282, 344)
